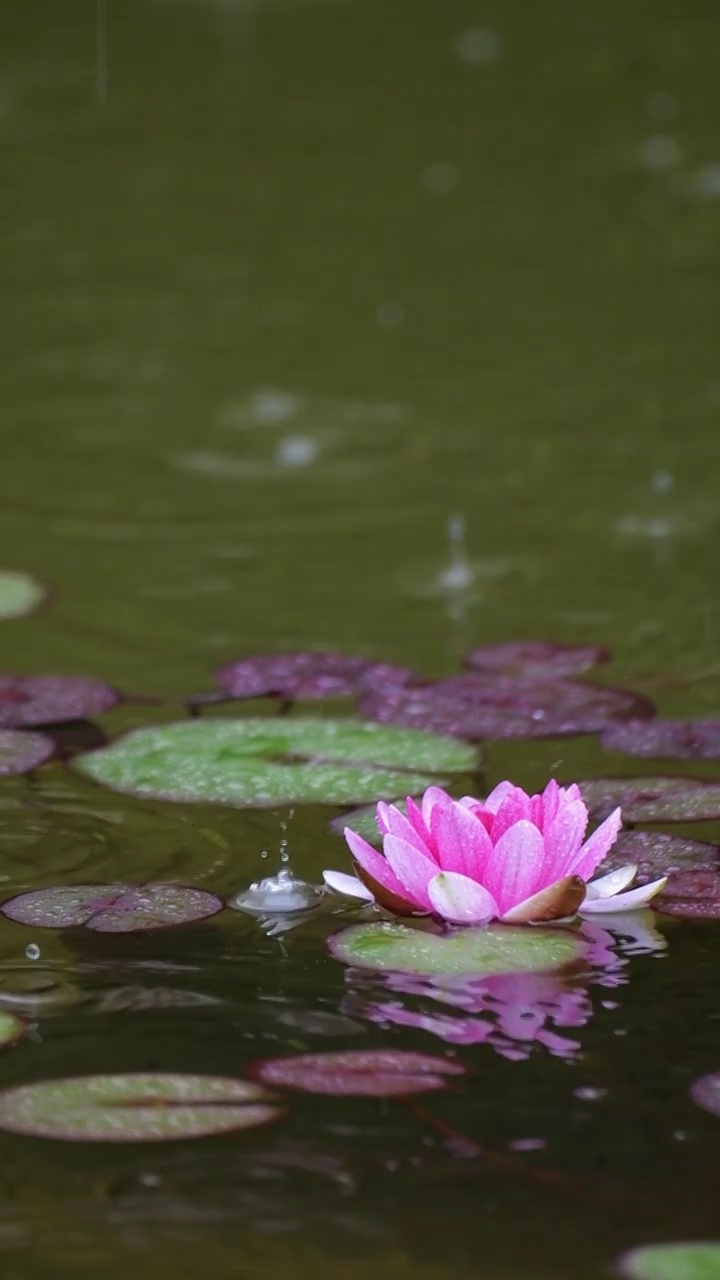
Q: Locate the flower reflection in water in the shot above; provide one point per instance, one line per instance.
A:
(514, 1012)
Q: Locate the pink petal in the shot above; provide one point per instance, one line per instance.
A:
(397, 825)
(433, 796)
(492, 803)
(350, 886)
(615, 882)
(537, 812)
(632, 901)
(381, 818)
(414, 870)
(461, 840)
(374, 863)
(514, 808)
(596, 848)
(564, 837)
(556, 902)
(415, 819)
(514, 870)
(461, 900)
(570, 793)
(551, 801)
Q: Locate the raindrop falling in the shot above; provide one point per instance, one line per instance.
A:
(458, 574)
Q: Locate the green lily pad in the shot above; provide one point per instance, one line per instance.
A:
(481, 952)
(692, 1260)
(138, 1107)
(267, 762)
(11, 1027)
(19, 594)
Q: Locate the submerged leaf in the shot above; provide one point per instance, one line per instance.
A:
(377, 1073)
(655, 799)
(260, 762)
(136, 1107)
(21, 752)
(38, 700)
(19, 594)
(665, 739)
(112, 908)
(535, 661)
(685, 1260)
(308, 675)
(499, 949)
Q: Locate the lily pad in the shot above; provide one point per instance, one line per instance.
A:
(482, 706)
(261, 762)
(21, 752)
(19, 594)
(11, 1027)
(685, 1260)
(653, 799)
(375, 1073)
(535, 660)
(705, 1091)
(482, 952)
(37, 700)
(693, 895)
(665, 739)
(137, 1107)
(657, 854)
(308, 675)
(112, 908)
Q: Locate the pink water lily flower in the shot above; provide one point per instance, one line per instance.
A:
(512, 857)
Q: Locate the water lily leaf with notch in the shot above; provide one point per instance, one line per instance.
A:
(26, 701)
(373, 1073)
(653, 799)
(482, 952)
(308, 675)
(684, 1260)
(137, 1107)
(112, 908)
(665, 739)
(534, 661)
(19, 594)
(264, 761)
(21, 752)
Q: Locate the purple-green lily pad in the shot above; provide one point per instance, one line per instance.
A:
(500, 949)
(683, 1260)
(478, 706)
(21, 752)
(373, 1073)
(665, 739)
(20, 594)
(692, 895)
(300, 676)
(112, 908)
(26, 701)
(136, 1107)
(267, 762)
(705, 1091)
(653, 799)
(535, 661)
(12, 1027)
(657, 854)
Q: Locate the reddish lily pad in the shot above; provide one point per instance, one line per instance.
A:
(534, 661)
(21, 752)
(12, 1027)
(308, 675)
(137, 1107)
(480, 706)
(657, 854)
(112, 908)
(38, 700)
(665, 739)
(693, 895)
(373, 1073)
(706, 1092)
(653, 799)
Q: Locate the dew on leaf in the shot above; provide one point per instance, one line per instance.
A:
(375, 1073)
(267, 762)
(308, 676)
(19, 594)
(665, 739)
(661, 798)
(683, 1260)
(21, 752)
(481, 952)
(26, 701)
(534, 661)
(136, 1107)
(657, 854)
(112, 908)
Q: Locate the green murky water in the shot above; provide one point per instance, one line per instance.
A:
(285, 287)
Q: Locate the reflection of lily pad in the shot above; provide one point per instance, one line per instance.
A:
(691, 1260)
(665, 739)
(377, 1073)
(19, 594)
(112, 908)
(656, 799)
(20, 752)
(308, 675)
(138, 1107)
(706, 1092)
(500, 949)
(534, 660)
(11, 1027)
(258, 762)
(36, 700)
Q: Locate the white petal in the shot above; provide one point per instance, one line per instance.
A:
(350, 886)
(613, 883)
(631, 901)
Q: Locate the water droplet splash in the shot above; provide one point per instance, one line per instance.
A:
(281, 894)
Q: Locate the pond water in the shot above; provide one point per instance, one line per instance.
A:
(386, 328)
